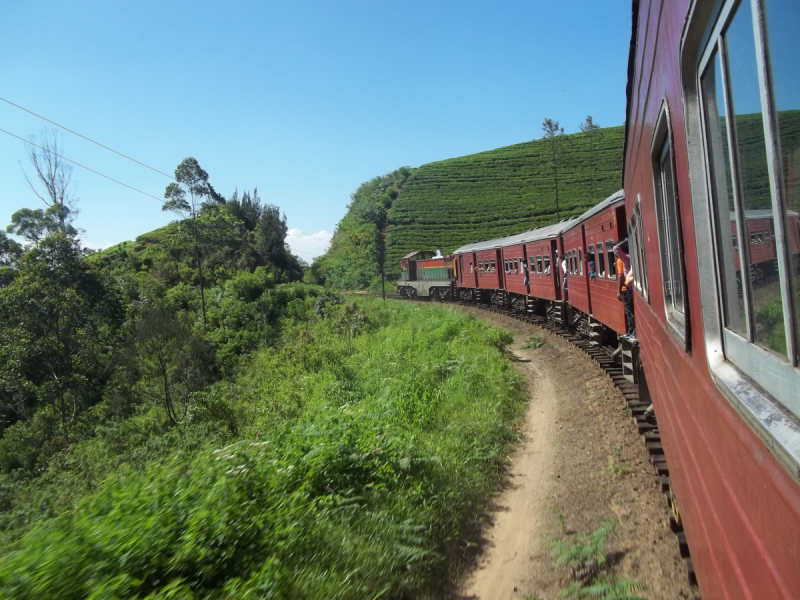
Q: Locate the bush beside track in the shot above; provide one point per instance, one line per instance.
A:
(369, 444)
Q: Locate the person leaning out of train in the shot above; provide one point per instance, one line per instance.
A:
(624, 291)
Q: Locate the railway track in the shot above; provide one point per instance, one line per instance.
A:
(646, 425)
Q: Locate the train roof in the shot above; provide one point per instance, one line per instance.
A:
(614, 198)
(540, 233)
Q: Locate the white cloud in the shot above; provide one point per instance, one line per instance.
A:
(308, 245)
(94, 246)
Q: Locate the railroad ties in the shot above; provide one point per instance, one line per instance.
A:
(646, 425)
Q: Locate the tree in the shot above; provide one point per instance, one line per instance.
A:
(554, 136)
(10, 251)
(171, 364)
(59, 321)
(53, 173)
(589, 127)
(191, 178)
(37, 224)
(248, 210)
(270, 236)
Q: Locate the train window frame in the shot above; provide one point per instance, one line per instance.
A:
(612, 262)
(492, 266)
(662, 155)
(600, 257)
(516, 265)
(764, 412)
(470, 267)
(580, 260)
(546, 264)
(532, 260)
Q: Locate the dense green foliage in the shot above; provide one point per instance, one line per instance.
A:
(358, 247)
(347, 461)
(181, 416)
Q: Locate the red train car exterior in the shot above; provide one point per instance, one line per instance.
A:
(514, 262)
(726, 395)
(466, 271)
(601, 232)
(490, 269)
(577, 277)
(543, 263)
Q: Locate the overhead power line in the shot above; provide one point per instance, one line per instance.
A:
(138, 162)
(83, 166)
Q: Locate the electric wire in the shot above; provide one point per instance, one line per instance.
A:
(138, 162)
(83, 166)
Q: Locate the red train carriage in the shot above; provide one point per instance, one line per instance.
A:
(592, 239)
(711, 135)
(542, 250)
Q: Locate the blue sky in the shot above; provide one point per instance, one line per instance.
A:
(305, 100)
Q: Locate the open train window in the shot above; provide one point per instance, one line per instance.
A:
(636, 247)
(516, 266)
(546, 264)
(600, 262)
(492, 268)
(670, 240)
(470, 266)
(612, 263)
(739, 76)
(580, 260)
(539, 264)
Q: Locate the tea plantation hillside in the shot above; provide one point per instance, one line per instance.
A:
(505, 191)
(480, 196)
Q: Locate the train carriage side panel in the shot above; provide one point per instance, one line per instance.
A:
(577, 288)
(543, 269)
(490, 271)
(739, 502)
(513, 258)
(601, 233)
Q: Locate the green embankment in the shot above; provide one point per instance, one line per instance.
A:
(352, 460)
(490, 194)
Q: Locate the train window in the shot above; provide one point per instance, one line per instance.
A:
(546, 264)
(470, 266)
(516, 266)
(521, 264)
(600, 263)
(580, 260)
(668, 226)
(612, 262)
(748, 106)
(539, 264)
(492, 267)
(533, 263)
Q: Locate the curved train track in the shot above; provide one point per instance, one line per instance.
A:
(646, 423)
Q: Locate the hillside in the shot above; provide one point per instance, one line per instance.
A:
(490, 194)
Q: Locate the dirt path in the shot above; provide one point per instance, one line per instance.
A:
(516, 531)
(581, 463)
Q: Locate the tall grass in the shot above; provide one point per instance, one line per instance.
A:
(367, 445)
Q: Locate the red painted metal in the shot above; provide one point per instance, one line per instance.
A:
(488, 279)
(514, 276)
(544, 284)
(599, 230)
(740, 507)
(577, 286)
(467, 275)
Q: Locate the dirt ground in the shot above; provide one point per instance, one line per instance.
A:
(581, 462)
